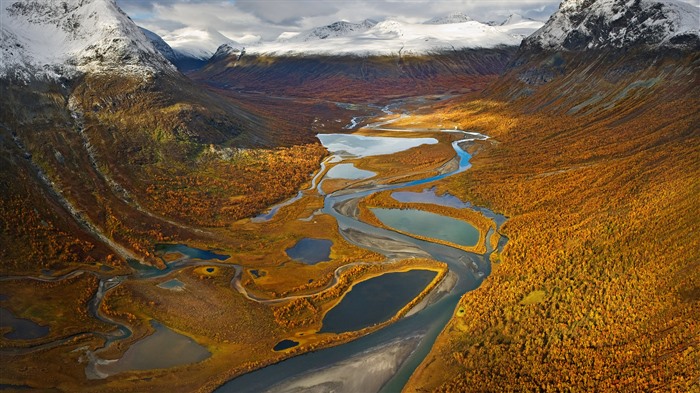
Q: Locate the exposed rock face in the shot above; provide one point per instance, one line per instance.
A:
(53, 39)
(226, 50)
(597, 24)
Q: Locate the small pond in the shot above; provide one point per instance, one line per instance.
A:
(22, 329)
(311, 251)
(190, 252)
(285, 344)
(375, 300)
(257, 273)
(348, 171)
(365, 146)
(163, 349)
(173, 285)
(430, 225)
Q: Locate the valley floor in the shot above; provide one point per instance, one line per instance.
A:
(598, 286)
(247, 303)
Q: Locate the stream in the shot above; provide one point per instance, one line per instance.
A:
(381, 361)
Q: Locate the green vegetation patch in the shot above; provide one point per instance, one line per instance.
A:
(533, 297)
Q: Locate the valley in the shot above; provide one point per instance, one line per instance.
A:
(277, 299)
(409, 204)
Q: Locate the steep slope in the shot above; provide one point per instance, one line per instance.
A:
(183, 62)
(520, 26)
(356, 78)
(596, 167)
(591, 24)
(516, 18)
(105, 127)
(55, 39)
(198, 43)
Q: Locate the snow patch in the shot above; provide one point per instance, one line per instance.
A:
(198, 43)
(51, 39)
(588, 24)
(455, 17)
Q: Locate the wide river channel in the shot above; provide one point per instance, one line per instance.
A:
(384, 360)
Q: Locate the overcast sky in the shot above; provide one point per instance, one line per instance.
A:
(248, 21)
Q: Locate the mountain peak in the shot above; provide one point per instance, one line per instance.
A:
(454, 17)
(336, 29)
(395, 37)
(198, 42)
(590, 24)
(53, 39)
(516, 18)
(226, 50)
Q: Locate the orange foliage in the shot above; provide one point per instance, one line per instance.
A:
(219, 192)
(603, 210)
(47, 246)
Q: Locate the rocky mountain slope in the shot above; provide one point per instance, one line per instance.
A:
(52, 39)
(588, 24)
(91, 115)
(352, 78)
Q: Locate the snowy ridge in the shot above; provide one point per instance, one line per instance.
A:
(516, 18)
(198, 43)
(226, 50)
(520, 26)
(587, 24)
(455, 17)
(334, 30)
(162, 46)
(391, 37)
(50, 39)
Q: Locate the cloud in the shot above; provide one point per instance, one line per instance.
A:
(268, 18)
(281, 12)
(245, 20)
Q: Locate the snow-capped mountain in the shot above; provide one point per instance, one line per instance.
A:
(224, 51)
(49, 39)
(162, 46)
(391, 37)
(182, 61)
(199, 43)
(334, 30)
(455, 17)
(516, 18)
(519, 25)
(588, 24)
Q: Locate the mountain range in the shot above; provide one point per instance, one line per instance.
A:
(369, 37)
